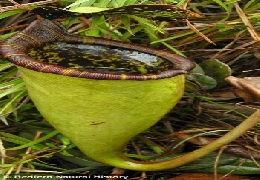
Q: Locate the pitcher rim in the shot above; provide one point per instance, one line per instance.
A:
(12, 50)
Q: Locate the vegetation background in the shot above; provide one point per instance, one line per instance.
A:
(223, 42)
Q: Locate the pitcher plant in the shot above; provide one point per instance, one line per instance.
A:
(100, 93)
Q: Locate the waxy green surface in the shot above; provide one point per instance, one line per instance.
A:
(101, 116)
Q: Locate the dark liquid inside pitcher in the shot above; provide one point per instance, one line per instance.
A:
(99, 58)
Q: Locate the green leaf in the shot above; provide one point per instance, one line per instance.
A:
(8, 75)
(5, 66)
(80, 2)
(128, 34)
(219, 2)
(7, 35)
(98, 22)
(240, 167)
(172, 49)
(127, 24)
(11, 87)
(173, 37)
(205, 82)
(146, 22)
(13, 138)
(217, 70)
(197, 69)
(252, 5)
(125, 2)
(10, 105)
(201, 163)
(88, 9)
(191, 86)
(32, 143)
(10, 13)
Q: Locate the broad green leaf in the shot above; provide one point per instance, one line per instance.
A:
(205, 82)
(217, 70)
(197, 69)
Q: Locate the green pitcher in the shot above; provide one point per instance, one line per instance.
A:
(99, 93)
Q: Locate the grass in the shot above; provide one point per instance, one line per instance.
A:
(28, 145)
